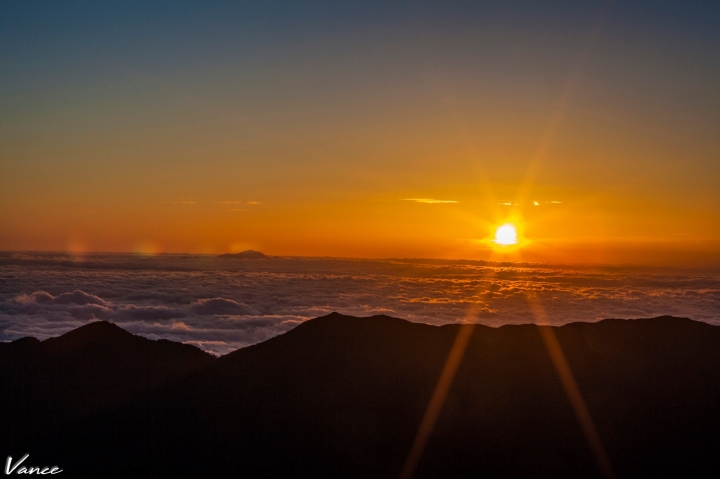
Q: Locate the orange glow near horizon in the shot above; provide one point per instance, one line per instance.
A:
(575, 230)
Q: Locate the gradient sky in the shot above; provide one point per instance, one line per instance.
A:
(315, 128)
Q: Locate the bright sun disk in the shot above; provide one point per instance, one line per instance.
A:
(506, 235)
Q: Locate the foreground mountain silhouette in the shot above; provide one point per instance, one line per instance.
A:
(99, 365)
(340, 396)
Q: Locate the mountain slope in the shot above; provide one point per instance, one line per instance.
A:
(83, 372)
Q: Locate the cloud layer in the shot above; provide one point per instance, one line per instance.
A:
(221, 305)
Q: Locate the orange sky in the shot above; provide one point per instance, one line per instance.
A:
(318, 143)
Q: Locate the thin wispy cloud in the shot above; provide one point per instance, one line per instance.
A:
(239, 202)
(430, 200)
(534, 203)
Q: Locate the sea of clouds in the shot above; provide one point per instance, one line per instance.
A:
(221, 304)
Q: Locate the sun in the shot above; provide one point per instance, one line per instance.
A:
(506, 234)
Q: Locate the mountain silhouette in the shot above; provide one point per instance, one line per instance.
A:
(87, 370)
(340, 396)
(247, 254)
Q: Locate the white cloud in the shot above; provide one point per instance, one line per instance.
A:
(219, 306)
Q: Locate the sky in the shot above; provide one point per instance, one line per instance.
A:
(363, 129)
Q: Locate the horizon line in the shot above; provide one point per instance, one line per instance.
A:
(352, 258)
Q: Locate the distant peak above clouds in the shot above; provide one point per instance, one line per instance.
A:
(247, 254)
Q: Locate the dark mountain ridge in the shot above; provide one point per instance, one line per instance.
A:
(85, 371)
(340, 396)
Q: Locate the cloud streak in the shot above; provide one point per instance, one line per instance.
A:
(430, 201)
